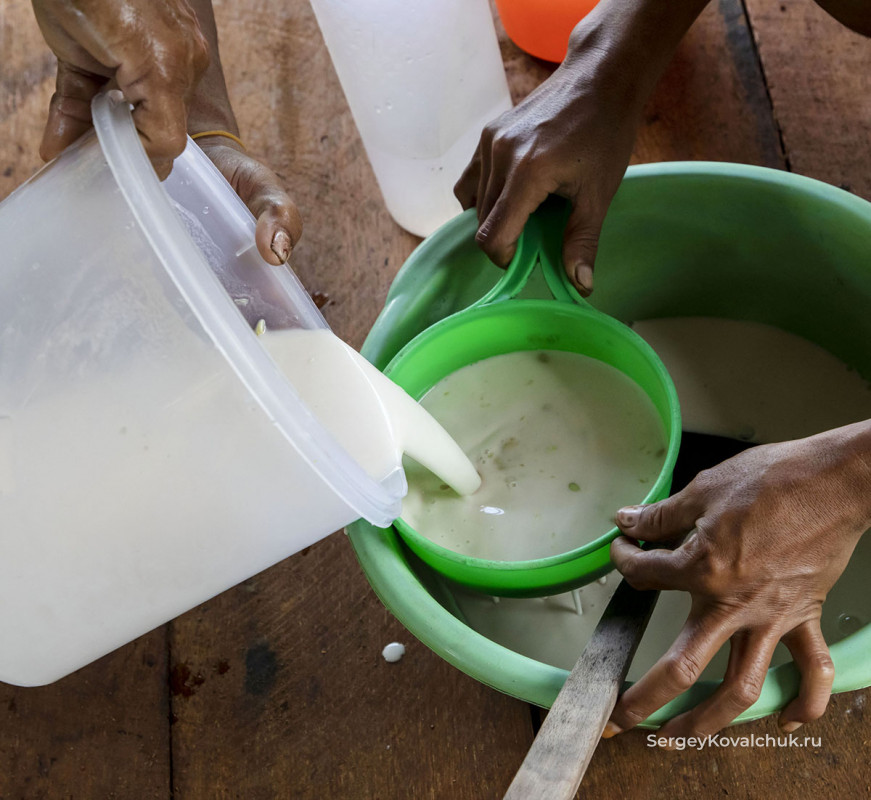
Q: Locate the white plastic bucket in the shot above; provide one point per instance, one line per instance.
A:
(151, 453)
(421, 79)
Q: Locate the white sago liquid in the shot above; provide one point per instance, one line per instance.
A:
(560, 440)
(733, 378)
(128, 498)
(753, 381)
(373, 419)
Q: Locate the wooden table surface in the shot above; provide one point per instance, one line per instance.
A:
(277, 689)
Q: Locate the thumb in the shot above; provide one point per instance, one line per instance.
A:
(69, 111)
(667, 519)
(580, 243)
(279, 224)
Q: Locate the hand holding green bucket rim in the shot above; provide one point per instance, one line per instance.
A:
(501, 323)
(762, 236)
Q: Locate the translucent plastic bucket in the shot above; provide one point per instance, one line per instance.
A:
(422, 79)
(151, 452)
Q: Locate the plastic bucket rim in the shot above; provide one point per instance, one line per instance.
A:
(518, 306)
(183, 262)
(394, 581)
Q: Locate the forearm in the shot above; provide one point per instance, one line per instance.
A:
(632, 42)
(210, 107)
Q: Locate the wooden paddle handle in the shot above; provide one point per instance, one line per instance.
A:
(558, 758)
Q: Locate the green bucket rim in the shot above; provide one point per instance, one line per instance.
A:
(386, 564)
(550, 574)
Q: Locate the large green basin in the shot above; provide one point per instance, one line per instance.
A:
(680, 239)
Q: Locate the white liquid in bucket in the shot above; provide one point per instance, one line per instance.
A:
(732, 378)
(561, 441)
(181, 470)
(369, 415)
(752, 381)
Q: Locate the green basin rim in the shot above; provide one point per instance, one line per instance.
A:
(386, 565)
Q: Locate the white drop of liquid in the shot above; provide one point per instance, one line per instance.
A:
(393, 652)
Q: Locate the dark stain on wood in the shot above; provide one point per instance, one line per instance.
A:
(16, 85)
(183, 682)
(320, 299)
(261, 669)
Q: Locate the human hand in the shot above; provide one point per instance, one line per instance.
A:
(279, 224)
(770, 531)
(572, 136)
(154, 52)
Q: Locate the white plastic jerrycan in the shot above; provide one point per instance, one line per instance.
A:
(152, 453)
(422, 79)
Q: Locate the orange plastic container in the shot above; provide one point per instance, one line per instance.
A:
(542, 27)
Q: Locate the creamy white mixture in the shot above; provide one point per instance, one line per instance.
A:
(393, 652)
(753, 381)
(369, 415)
(129, 497)
(560, 440)
(735, 379)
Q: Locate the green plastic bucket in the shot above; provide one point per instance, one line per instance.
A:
(498, 324)
(680, 239)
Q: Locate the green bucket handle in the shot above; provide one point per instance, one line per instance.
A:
(531, 251)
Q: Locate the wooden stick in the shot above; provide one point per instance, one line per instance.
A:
(558, 758)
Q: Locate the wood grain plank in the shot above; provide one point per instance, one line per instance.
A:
(27, 72)
(570, 733)
(819, 77)
(102, 732)
(627, 767)
(711, 104)
(282, 691)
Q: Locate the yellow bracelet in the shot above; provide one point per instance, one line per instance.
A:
(226, 134)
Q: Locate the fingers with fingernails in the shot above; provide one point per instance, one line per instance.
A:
(155, 53)
(279, 223)
(759, 541)
(556, 141)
